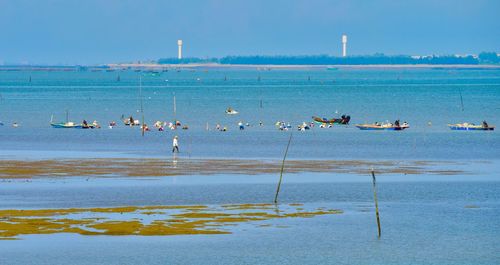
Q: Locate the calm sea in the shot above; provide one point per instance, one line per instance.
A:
(426, 219)
(426, 98)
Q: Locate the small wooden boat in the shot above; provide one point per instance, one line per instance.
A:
(471, 127)
(386, 126)
(64, 125)
(72, 125)
(69, 124)
(342, 120)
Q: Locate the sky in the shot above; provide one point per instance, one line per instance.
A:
(108, 31)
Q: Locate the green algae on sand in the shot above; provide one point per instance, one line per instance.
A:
(171, 220)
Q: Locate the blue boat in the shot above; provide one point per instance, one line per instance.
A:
(64, 125)
(70, 124)
(471, 127)
(383, 127)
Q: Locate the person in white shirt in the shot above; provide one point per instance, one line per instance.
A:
(175, 144)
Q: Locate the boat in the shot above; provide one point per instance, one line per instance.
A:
(64, 125)
(67, 124)
(471, 127)
(383, 126)
(344, 119)
(70, 124)
(231, 111)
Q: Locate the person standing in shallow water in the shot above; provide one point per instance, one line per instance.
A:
(175, 144)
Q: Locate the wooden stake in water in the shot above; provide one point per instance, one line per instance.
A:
(461, 99)
(376, 202)
(142, 106)
(175, 106)
(282, 168)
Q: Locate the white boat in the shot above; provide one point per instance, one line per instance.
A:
(231, 111)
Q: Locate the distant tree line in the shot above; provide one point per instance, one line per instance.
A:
(350, 60)
(482, 58)
(187, 60)
(489, 58)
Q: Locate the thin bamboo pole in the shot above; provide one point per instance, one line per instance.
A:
(142, 105)
(175, 107)
(376, 202)
(282, 168)
(461, 98)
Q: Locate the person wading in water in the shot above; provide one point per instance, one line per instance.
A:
(175, 144)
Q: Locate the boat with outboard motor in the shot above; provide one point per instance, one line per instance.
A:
(69, 124)
(471, 127)
(73, 125)
(384, 126)
(344, 120)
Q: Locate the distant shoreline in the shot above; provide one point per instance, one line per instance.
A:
(298, 66)
(161, 67)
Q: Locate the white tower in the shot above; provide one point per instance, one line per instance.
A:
(179, 52)
(344, 45)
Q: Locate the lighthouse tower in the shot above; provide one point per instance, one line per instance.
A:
(344, 45)
(179, 52)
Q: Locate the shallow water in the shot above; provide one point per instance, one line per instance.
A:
(438, 222)
(426, 219)
(418, 96)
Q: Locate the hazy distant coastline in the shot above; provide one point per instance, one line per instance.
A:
(301, 66)
(165, 67)
(483, 60)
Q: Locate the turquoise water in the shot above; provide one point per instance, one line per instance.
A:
(418, 96)
(426, 219)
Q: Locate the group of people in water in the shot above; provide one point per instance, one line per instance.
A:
(280, 125)
(159, 125)
(14, 124)
(241, 126)
(92, 125)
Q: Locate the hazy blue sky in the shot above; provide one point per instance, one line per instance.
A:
(99, 31)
